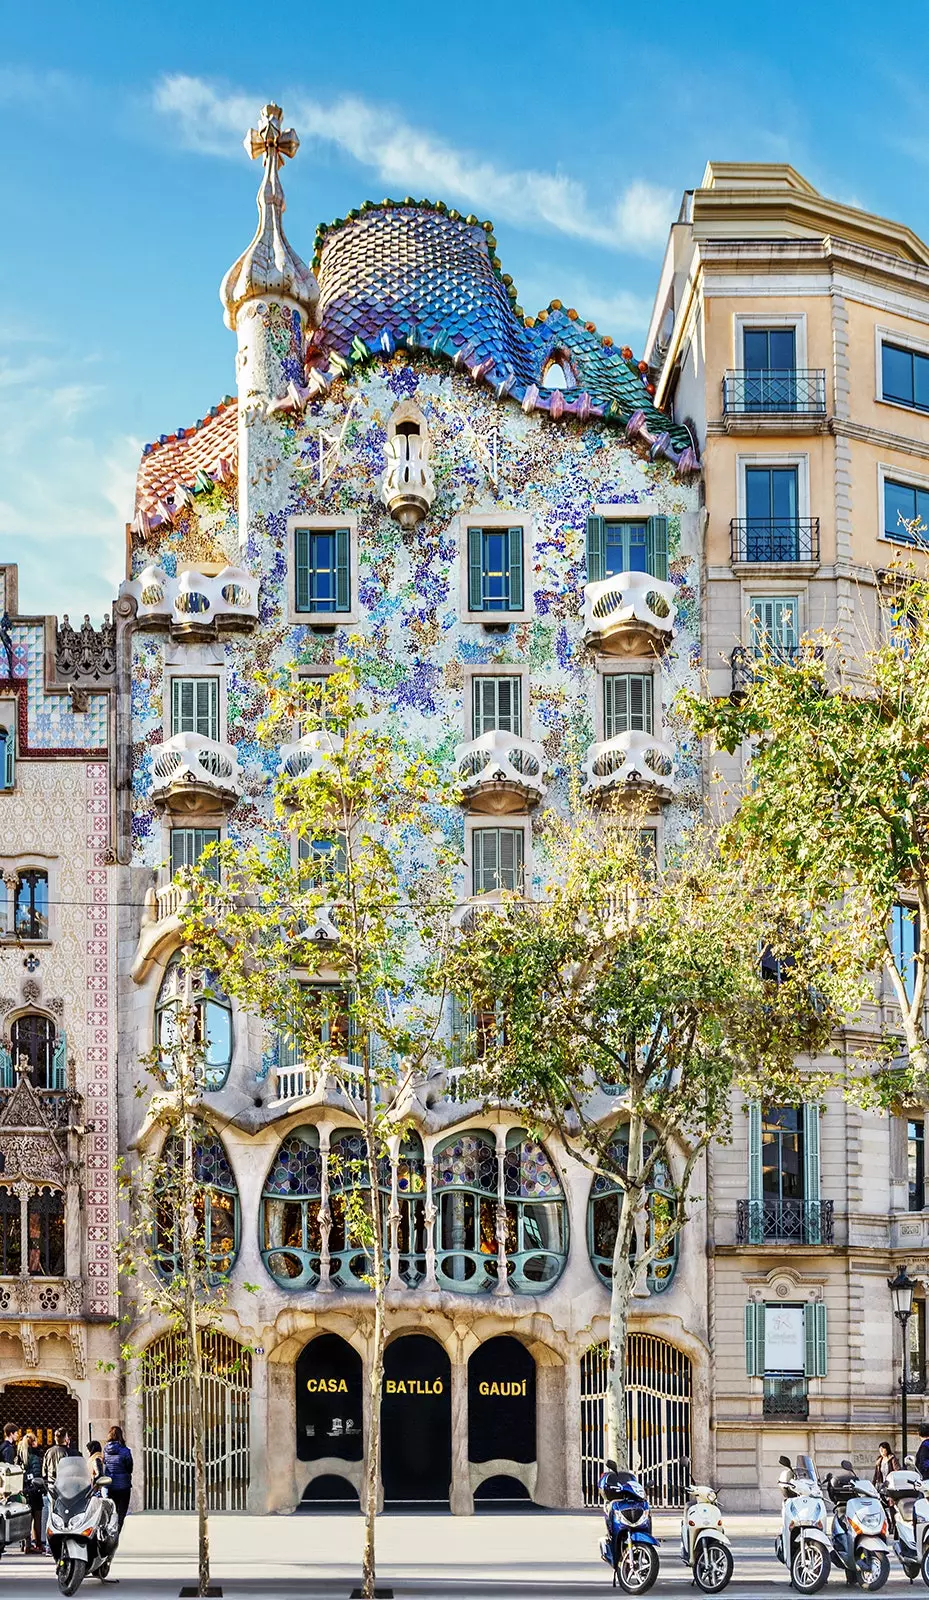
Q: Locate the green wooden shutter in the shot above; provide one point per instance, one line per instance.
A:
(206, 717)
(596, 549)
(9, 758)
(656, 547)
(59, 1073)
(815, 1339)
(511, 859)
(515, 588)
(754, 1339)
(475, 569)
(484, 859)
(343, 585)
(302, 569)
(755, 1201)
(811, 1173)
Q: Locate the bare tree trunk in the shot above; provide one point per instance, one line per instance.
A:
(191, 1316)
(373, 1476)
(196, 1417)
(622, 1284)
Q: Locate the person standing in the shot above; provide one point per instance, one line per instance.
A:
(54, 1454)
(885, 1464)
(117, 1465)
(29, 1457)
(95, 1459)
(10, 1441)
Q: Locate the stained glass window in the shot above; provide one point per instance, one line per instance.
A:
(536, 1216)
(290, 1227)
(213, 1015)
(603, 1219)
(466, 1181)
(216, 1203)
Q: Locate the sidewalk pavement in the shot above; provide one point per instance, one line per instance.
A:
(530, 1555)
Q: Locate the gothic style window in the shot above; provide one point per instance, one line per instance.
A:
(31, 917)
(33, 1036)
(290, 1231)
(603, 1220)
(466, 1184)
(7, 758)
(10, 1241)
(46, 1242)
(411, 1198)
(536, 1216)
(217, 1206)
(213, 1019)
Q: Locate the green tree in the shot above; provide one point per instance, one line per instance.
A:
(837, 809)
(630, 1004)
(334, 932)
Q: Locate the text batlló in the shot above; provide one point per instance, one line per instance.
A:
(414, 1386)
(513, 1387)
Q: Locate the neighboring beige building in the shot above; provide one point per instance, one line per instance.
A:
(791, 334)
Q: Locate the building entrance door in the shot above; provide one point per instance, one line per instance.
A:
(329, 1409)
(501, 1402)
(658, 1392)
(416, 1419)
(43, 1407)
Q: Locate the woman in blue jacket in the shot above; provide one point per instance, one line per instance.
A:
(117, 1464)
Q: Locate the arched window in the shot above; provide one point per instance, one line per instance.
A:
(11, 1254)
(558, 372)
(290, 1230)
(213, 1019)
(45, 1256)
(7, 758)
(31, 914)
(216, 1203)
(411, 1197)
(536, 1216)
(34, 1037)
(603, 1219)
(349, 1207)
(466, 1195)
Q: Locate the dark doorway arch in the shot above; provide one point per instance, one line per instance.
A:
(502, 1491)
(329, 1402)
(416, 1419)
(42, 1407)
(501, 1401)
(330, 1489)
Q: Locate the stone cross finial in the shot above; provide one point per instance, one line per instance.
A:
(269, 268)
(270, 136)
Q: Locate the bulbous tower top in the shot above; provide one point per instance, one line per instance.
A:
(269, 268)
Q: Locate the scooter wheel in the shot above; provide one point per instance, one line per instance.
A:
(713, 1566)
(924, 1566)
(873, 1570)
(637, 1568)
(810, 1567)
(71, 1572)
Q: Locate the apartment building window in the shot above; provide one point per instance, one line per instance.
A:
(34, 1037)
(495, 569)
(916, 1331)
(322, 860)
(496, 702)
(188, 845)
(905, 376)
(46, 1242)
(905, 504)
(31, 917)
(782, 1153)
(7, 757)
(497, 860)
(785, 1346)
(770, 367)
(773, 619)
(322, 569)
(771, 512)
(615, 547)
(783, 1204)
(627, 703)
(904, 944)
(195, 706)
(916, 1163)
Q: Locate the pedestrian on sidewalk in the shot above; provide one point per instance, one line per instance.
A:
(11, 1436)
(922, 1454)
(29, 1457)
(885, 1464)
(95, 1459)
(54, 1454)
(117, 1464)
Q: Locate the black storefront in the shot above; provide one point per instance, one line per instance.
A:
(329, 1411)
(501, 1412)
(416, 1421)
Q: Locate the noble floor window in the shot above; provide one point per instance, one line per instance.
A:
(195, 706)
(216, 1204)
(905, 376)
(411, 1204)
(496, 702)
(772, 531)
(212, 1017)
(7, 757)
(770, 364)
(350, 1189)
(904, 943)
(495, 569)
(322, 569)
(31, 920)
(536, 1217)
(904, 504)
(188, 845)
(497, 860)
(10, 1234)
(774, 625)
(33, 1036)
(916, 1163)
(324, 1017)
(46, 1224)
(615, 547)
(290, 1226)
(782, 1153)
(466, 1184)
(603, 1220)
(627, 703)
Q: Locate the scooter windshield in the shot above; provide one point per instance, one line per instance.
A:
(72, 1476)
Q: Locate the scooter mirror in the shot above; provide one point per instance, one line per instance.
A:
(783, 1461)
(848, 1466)
(909, 1461)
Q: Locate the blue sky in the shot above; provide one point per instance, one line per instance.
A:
(126, 192)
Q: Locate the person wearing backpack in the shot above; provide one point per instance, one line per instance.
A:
(29, 1457)
(117, 1464)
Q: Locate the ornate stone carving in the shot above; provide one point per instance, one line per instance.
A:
(8, 1002)
(29, 1343)
(269, 266)
(31, 990)
(87, 653)
(78, 1349)
(56, 1006)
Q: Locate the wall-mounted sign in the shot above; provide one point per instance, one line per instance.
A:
(784, 1344)
(329, 1400)
(501, 1402)
(413, 1386)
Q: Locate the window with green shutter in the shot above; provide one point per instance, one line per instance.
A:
(322, 860)
(496, 702)
(7, 758)
(775, 625)
(195, 706)
(495, 569)
(322, 575)
(620, 546)
(627, 703)
(497, 857)
(188, 845)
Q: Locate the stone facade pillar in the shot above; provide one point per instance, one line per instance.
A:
(461, 1498)
(260, 1458)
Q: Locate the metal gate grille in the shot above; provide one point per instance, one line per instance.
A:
(168, 1434)
(658, 1392)
(42, 1407)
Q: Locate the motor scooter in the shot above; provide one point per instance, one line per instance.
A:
(803, 1544)
(629, 1547)
(704, 1545)
(908, 1512)
(15, 1515)
(860, 1546)
(83, 1528)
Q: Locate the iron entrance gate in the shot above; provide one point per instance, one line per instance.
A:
(658, 1394)
(167, 1430)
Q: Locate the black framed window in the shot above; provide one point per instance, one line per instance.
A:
(33, 1036)
(916, 1163)
(903, 504)
(905, 376)
(32, 904)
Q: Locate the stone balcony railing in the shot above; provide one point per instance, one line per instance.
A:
(193, 775)
(501, 772)
(633, 763)
(309, 754)
(631, 613)
(41, 1297)
(162, 916)
(194, 605)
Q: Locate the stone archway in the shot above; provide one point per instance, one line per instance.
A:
(502, 1417)
(416, 1420)
(329, 1417)
(43, 1406)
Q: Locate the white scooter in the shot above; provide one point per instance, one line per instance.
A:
(803, 1544)
(704, 1545)
(15, 1516)
(83, 1528)
(904, 1494)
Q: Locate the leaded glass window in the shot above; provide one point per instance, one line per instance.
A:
(536, 1216)
(290, 1226)
(350, 1259)
(216, 1203)
(212, 1020)
(46, 1240)
(466, 1185)
(603, 1220)
(411, 1200)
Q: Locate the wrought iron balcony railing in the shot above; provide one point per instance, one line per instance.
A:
(785, 1397)
(743, 659)
(785, 1222)
(775, 539)
(775, 393)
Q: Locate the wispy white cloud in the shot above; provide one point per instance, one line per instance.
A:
(212, 121)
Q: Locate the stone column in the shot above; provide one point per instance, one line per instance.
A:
(265, 1492)
(503, 1283)
(552, 1446)
(461, 1498)
(571, 1396)
(325, 1216)
(430, 1215)
(73, 1223)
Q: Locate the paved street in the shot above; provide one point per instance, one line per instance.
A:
(492, 1556)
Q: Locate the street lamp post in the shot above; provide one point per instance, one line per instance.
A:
(901, 1294)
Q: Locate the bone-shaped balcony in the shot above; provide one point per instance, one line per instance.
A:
(194, 775)
(630, 614)
(501, 772)
(194, 605)
(630, 764)
(312, 753)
